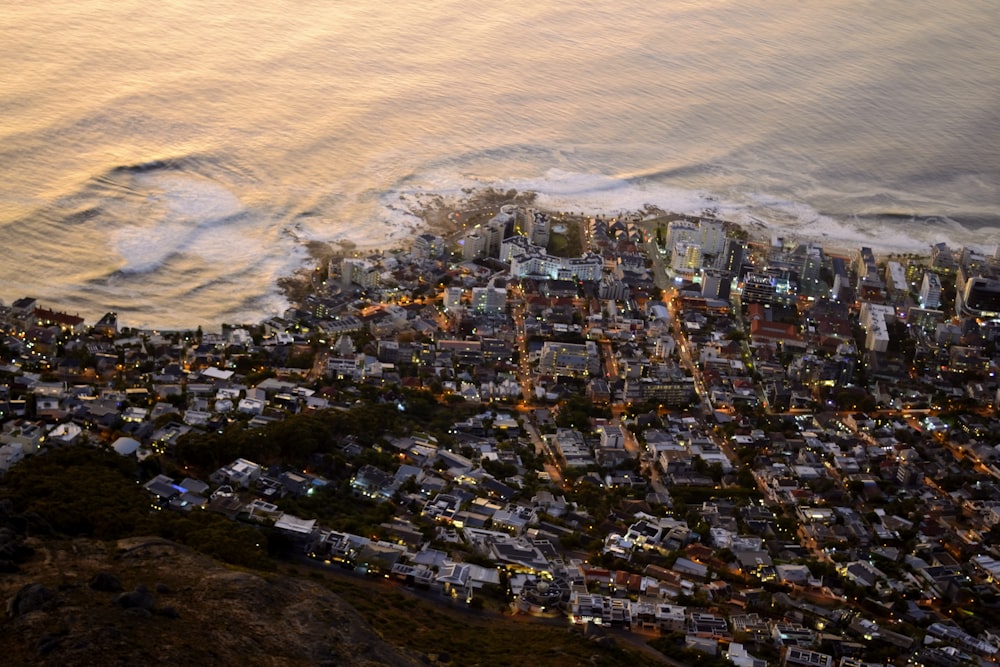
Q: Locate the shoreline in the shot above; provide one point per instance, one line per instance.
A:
(448, 219)
(448, 216)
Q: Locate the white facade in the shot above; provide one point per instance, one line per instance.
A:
(361, 272)
(895, 277)
(474, 245)
(686, 257)
(453, 298)
(516, 245)
(539, 228)
(589, 267)
(930, 291)
(489, 299)
(875, 318)
(712, 236)
(612, 437)
(681, 231)
(429, 245)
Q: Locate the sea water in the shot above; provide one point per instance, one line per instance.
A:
(170, 161)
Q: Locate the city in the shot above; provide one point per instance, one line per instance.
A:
(738, 447)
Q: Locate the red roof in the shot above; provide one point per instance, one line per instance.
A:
(63, 319)
(774, 330)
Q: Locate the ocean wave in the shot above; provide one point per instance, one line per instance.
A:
(192, 239)
(673, 173)
(156, 164)
(199, 163)
(175, 213)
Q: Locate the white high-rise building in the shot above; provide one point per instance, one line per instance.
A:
(539, 228)
(686, 258)
(453, 298)
(489, 299)
(356, 271)
(712, 236)
(930, 291)
(429, 245)
(679, 231)
(474, 245)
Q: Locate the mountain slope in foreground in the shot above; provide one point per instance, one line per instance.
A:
(150, 601)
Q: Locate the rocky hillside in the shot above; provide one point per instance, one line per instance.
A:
(153, 602)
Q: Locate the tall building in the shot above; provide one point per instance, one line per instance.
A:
(475, 245)
(612, 288)
(808, 263)
(766, 289)
(712, 236)
(539, 228)
(453, 298)
(930, 291)
(686, 257)
(865, 265)
(716, 284)
(428, 246)
(589, 267)
(516, 245)
(979, 298)
(875, 319)
(731, 258)
(681, 231)
(943, 258)
(356, 271)
(496, 230)
(489, 299)
(895, 278)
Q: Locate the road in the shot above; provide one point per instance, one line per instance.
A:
(542, 449)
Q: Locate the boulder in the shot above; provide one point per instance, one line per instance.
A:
(107, 582)
(29, 598)
(168, 612)
(140, 598)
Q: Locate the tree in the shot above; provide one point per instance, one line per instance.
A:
(79, 492)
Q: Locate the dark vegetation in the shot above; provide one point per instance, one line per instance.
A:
(465, 636)
(90, 493)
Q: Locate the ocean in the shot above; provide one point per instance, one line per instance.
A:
(170, 161)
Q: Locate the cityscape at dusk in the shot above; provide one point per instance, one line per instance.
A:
(730, 447)
(500, 334)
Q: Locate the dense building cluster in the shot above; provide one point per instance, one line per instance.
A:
(773, 451)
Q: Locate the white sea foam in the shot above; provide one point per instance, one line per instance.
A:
(189, 197)
(144, 249)
(182, 213)
(224, 257)
(596, 194)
